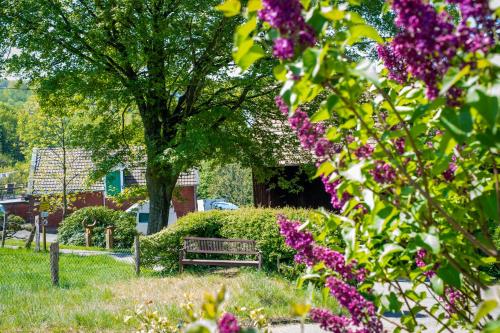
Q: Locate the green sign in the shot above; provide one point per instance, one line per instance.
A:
(113, 183)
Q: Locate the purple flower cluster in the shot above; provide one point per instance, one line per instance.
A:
(395, 64)
(428, 41)
(330, 322)
(455, 299)
(476, 29)
(364, 151)
(362, 312)
(286, 16)
(399, 145)
(449, 174)
(228, 324)
(310, 254)
(309, 134)
(311, 138)
(331, 189)
(383, 173)
(455, 296)
(420, 262)
(300, 241)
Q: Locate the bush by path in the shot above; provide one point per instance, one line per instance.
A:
(247, 223)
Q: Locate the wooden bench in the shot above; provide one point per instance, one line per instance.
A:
(219, 246)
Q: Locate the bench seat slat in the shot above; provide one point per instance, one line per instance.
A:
(222, 252)
(220, 262)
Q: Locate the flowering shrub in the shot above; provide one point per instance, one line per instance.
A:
(411, 167)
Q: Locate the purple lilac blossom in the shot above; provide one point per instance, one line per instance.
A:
(476, 29)
(286, 16)
(330, 322)
(420, 262)
(283, 48)
(362, 311)
(399, 145)
(228, 324)
(364, 151)
(383, 173)
(311, 138)
(428, 41)
(455, 296)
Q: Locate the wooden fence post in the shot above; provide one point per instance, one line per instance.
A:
(37, 233)
(109, 237)
(54, 263)
(137, 255)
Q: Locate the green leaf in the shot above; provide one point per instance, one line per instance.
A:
(255, 53)
(388, 252)
(354, 172)
(487, 106)
(280, 73)
(229, 7)
(392, 302)
(492, 327)
(453, 77)
(437, 285)
(368, 70)
(484, 309)
(429, 242)
(244, 30)
(254, 5)
(363, 31)
(333, 14)
(458, 123)
(450, 275)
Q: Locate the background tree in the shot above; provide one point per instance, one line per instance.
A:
(231, 182)
(170, 60)
(41, 128)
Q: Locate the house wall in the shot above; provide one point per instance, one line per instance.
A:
(183, 205)
(20, 208)
(312, 195)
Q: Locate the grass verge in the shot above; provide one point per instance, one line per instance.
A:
(97, 292)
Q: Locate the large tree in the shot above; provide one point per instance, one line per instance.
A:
(168, 59)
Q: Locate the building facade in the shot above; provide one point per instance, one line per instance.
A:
(52, 169)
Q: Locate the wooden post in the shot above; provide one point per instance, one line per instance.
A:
(44, 237)
(88, 232)
(4, 228)
(109, 237)
(137, 255)
(54, 263)
(37, 233)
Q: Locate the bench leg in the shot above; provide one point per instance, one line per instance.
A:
(260, 260)
(181, 256)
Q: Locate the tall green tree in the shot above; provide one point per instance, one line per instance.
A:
(169, 59)
(231, 182)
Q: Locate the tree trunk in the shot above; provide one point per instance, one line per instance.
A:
(161, 184)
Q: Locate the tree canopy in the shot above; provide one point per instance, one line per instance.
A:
(169, 62)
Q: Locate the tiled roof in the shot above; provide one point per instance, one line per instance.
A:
(46, 172)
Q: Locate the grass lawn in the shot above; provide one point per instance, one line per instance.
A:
(97, 292)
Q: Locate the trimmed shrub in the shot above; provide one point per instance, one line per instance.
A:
(247, 223)
(71, 231)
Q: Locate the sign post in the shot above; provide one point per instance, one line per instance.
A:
(4, 225)
(44, 216)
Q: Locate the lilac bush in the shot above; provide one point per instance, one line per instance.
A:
(411, 162)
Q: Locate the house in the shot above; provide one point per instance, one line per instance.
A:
(288, 181)
(46, 179)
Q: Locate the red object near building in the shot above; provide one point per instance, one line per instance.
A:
(46, 179)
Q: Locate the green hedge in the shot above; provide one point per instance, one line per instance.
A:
(247, 223)
(71, 231)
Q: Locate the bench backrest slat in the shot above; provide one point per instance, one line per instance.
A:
(219, 245)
